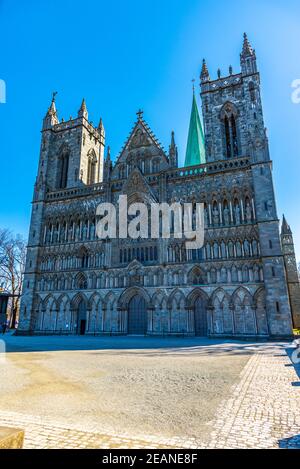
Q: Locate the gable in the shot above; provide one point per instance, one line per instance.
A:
(142, 150)
(137, 189)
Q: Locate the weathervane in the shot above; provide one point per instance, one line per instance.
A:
(54, 93)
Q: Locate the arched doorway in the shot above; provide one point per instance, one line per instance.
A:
(137, 316)
(200, 311)
(81, 316)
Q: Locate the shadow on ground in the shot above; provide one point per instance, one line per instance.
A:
(129, 344)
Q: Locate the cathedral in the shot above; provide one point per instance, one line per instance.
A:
(242, 283)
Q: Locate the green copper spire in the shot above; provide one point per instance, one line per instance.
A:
(195, 150)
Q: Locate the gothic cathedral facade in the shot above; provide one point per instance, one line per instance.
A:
(242, 283)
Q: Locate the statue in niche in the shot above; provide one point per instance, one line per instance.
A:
(77, 232)
(177, 253)
(226, 216)
(62, 233)
(92, 231)
(206, 218)
(215, 213)
(139, 139)
(84, 231)
(237, 212)
(246, 248)
(248, 213)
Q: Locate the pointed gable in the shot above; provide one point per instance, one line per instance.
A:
(137, 188)
(142, 149)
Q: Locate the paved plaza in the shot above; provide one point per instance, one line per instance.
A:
(135, 392)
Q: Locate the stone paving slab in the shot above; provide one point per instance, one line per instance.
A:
(262, 412)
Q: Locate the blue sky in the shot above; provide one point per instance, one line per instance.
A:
(124, 55)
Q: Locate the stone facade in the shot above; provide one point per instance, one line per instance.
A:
(235, 285)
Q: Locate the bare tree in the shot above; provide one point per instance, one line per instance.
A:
(12, 265)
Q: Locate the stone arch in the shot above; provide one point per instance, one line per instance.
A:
(77, 299)
(129, 293)
(64, 313)
(81, 281)
(196, 276)
(222, 321)
(193, 295)
(244, 314)
(95, 313)
(197, 302)
(159, 314)
(178, 317)
(50, 308)
(111, 317)
(176, 296)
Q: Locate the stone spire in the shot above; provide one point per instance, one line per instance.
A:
(107, 165)
(83, 110)
(285, 227)
(204, 76)
(195, 150)
(101, 129)
(108, 154)
(248, 58)
(51, 117)
(247, 48)
(173, 152)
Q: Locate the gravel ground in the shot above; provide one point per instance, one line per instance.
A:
(170, 390)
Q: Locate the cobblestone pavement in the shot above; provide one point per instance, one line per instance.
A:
(262, 412)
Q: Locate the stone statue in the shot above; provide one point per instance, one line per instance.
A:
(237, 212)
(216, 218)
(206, 218)
(248, 213)
(226, 215)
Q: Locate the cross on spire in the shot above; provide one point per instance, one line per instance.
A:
(140, 114)
(193, 81)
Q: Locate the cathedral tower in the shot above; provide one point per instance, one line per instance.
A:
(71, 155)
(235, 132)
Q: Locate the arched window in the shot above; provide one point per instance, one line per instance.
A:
(252, 91)
(229, 120)
(63, 170)
(155, 165)
(91, 170)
